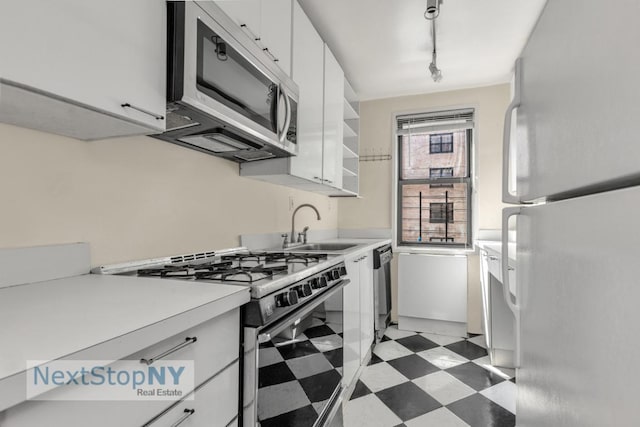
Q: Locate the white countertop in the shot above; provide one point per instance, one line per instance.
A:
(496, 248)
(98, 317)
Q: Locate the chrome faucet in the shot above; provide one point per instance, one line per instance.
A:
(303, 235)
(293, 219)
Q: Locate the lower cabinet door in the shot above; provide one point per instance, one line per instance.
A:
(214, 404)
(366, 305)
(81, 413)
(351, 324)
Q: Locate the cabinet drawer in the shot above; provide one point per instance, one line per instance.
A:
(214, 404)
(495, 265)
(217, 345)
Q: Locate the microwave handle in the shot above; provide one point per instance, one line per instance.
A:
(274, 110)
(287, 121)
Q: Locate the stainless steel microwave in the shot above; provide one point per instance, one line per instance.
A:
(225, 96)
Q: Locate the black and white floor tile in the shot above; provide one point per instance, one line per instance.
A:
(421, 380)
(297, 377)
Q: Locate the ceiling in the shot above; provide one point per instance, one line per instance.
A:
(384, 46)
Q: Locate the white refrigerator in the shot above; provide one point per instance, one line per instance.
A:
(575, 159)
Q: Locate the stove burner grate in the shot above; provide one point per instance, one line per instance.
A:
(187, 270)
(243, 274)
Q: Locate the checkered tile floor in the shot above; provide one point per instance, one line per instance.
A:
(296, 379)
(431, 380)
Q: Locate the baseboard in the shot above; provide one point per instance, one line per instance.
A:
(440, 327)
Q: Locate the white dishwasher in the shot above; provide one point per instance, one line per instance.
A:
(432, 293)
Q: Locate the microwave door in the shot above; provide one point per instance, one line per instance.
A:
(225, 75)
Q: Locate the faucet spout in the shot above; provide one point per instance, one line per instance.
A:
(293, 218)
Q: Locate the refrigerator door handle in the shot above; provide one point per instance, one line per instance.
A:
(513, 306)
(507, 197)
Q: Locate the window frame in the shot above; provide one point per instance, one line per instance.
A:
(468, 180)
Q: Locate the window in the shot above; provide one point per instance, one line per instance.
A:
(438, 214)
(434, 179)
(440, 172)
(435, 173)
(441, 143)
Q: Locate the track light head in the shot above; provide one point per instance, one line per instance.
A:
(433, 9)
(436, 74)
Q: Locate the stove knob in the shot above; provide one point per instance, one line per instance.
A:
(303, 290)
(306, 290)
(322, 282)
(343, 271)
(286, 299)
(335, 274)
(314, 283)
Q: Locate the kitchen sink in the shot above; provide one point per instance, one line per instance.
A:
(323, 247)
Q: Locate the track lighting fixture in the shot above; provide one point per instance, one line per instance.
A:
(431, 13)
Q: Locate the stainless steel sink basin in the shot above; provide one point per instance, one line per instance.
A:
(323, 247)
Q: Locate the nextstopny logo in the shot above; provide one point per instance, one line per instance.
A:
(109, 380)
(99, 375)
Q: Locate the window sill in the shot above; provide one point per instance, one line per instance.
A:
(432, 251)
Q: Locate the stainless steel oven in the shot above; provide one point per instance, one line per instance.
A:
(293, 367)
(225, 96)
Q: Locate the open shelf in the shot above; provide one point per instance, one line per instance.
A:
(350, 111)
(348, 153)
(348, 131)
(348, 172)
(350, 144)
(350, 184)
(351, 165)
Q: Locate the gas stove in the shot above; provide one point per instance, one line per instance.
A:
(279, 281)
(240, 268)
(296, 306)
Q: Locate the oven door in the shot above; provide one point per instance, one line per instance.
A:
(298, 366)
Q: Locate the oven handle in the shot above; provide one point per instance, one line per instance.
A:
(297, 316)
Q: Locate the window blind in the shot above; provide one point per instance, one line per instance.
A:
(433, 122)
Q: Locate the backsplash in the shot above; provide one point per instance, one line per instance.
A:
(136, 198)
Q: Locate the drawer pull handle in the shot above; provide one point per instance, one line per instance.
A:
(187, 414)
(493, 258)
(154, 115)
(187, 341)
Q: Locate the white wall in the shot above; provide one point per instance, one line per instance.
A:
(373, 209)
(135, 198)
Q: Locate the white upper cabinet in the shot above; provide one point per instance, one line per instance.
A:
(268, 23)
(245, 13)
(84, 69)
(276, 31)
(333, 120)
(318, 166)
(307, 72)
